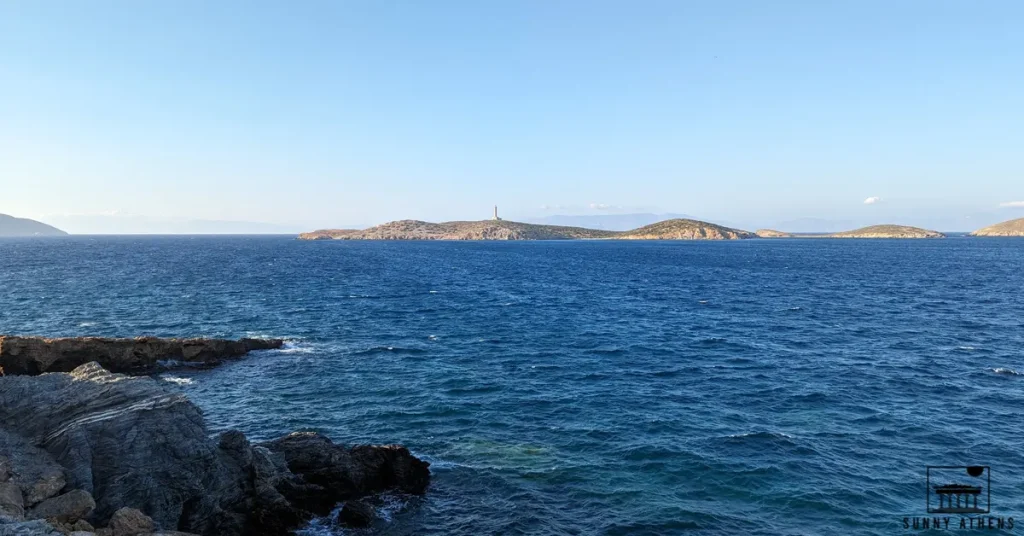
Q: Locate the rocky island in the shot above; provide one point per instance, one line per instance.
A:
(496, 229)
(682, 229)
(772, 233)
(888, 231)
(19, 227)
(131, 455)
(36, 355)
(1007, 228)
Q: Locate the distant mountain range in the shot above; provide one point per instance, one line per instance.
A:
(14, 227)
(120, 224)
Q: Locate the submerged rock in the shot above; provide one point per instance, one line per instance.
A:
(36, 355)
(356, 514)
(135, 442)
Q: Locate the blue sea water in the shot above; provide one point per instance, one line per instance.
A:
(758, 387)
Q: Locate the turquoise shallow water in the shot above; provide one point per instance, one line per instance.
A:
(750, 387)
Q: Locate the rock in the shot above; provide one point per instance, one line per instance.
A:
(82, 526)
(82, 533)
(36, 355)
(5, 469)
(130, 522)
(356, 514)
(352, 472)
(137, 442)
(12, 504)
(37, 527)
(66, 508)
(35, 470)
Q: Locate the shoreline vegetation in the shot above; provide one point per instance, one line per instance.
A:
(674, 229)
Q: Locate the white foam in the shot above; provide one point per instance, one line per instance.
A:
(1007, 371)
(178, 381)
(86, 324)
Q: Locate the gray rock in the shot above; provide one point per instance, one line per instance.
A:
(36, 355)
(36, 527)
(66, 508)
(5, 469)
(136, 442)
(130, 522)
(11, 502)
(35, 470)
(356, 514)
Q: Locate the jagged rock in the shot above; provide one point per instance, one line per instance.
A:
(36, 355)
(36, 527)
(352, 472)
(130, 522)
(11, 502)
(67, 508)
(137, 442)
(35, 470)
(356, 514)
(5, 469)
(82, 526)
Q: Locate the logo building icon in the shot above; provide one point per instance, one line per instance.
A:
(959, 489)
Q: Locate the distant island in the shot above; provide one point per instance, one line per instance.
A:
(15, 227)
(1007, 228)
(498, 229)
(874, 231)
(888, 231)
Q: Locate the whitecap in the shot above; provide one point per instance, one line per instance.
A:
(294, 348)
(86, 324)
(966, 348)
(1007, 372)
(434, 291)
(178, 381)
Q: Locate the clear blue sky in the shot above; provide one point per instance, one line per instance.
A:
(343, 112)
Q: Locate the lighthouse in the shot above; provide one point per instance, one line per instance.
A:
(496, 218)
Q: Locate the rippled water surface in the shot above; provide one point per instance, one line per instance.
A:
(750, 387)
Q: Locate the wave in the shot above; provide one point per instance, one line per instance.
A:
(1007, 372)
(773, 436)
(389, 349)
(178, 381)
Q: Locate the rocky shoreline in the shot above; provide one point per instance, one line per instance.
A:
(141, 355)
(129, 454)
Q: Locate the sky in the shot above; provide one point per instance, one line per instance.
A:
(349, 113)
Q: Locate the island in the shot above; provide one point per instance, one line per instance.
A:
(772, 233)
(874, 231)
(683, 229)
(19, 227)
(498, 229)
(888, 231)
(1007, 228)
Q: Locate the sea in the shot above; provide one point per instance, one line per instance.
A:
(756, 387)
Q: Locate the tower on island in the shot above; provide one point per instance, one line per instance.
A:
(496, 218)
